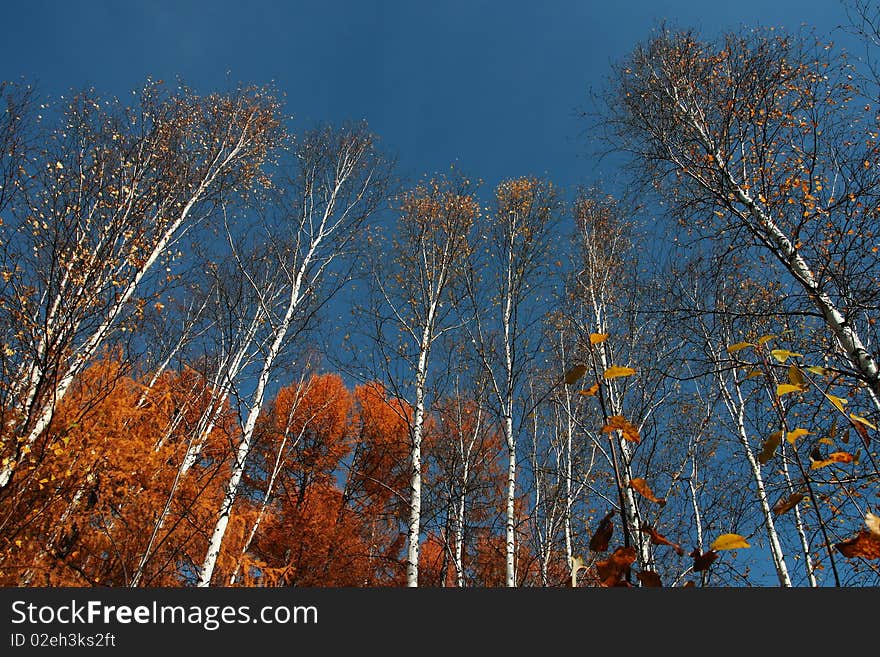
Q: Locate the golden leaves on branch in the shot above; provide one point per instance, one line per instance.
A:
(792, 436)
(598, 338)
(591, 391)
(788, 388)
(619, 423)
(783, 355)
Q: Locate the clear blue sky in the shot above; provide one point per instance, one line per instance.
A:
(494, 86)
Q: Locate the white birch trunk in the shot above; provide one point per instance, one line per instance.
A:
(779, 244)
(244, 445)
(415, 505)
(736, 410)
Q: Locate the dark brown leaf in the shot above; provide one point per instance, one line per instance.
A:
(649, 578)
(863, 432)
(574, 374)
(703, 561)
(785, 505)
(599, 542)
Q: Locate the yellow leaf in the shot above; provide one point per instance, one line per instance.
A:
(786, 388)
(591, 391)
(575, 373)
(792, 436)
(783, 355)
(18, 543)
(826, 441)
(616, 370)
(598, 338)
(765, 339)
(753, 374)
(739, 346)
(729, 542)
(837, 401)
(795, 377)
(862, 420)
(815, 369)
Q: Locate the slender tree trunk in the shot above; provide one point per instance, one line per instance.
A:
(415, 485)
(736, 409)
(244, 445)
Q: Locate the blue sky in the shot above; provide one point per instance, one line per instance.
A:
(494, 86)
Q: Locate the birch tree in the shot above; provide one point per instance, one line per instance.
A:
(337, 181)
(507, 303)
(416, 298)
(763, 140)
(106, 202)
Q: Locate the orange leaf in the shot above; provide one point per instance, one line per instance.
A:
(659, 539)
(641, 486)
(591, 391)
(833, 457)
(599, 541)
(865, 544)
(618, 422)
(614, 569)
(598, 338)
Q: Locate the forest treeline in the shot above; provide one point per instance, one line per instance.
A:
(234, 354)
